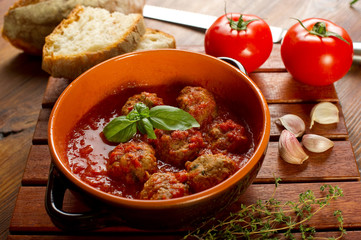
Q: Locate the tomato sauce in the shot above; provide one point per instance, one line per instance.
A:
(88, 150)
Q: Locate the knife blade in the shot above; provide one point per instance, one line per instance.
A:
(194, 20)
(204, 21)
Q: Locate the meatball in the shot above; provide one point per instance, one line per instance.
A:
(227, 136)
(198, 102)
(132, 162)
(149, 99)
(164, 186)
(178, 147)
(208, 170)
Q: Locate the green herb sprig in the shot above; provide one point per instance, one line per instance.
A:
(263, 220)
(123, 128)
(353, 2)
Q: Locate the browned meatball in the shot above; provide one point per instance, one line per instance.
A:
(164, 186)
(208, 170)
(149, 99)
(227, 135)
(198, 102)
(132, 162)
(177, 147)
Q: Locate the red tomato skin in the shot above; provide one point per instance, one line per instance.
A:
(250, 47)
(315, 60)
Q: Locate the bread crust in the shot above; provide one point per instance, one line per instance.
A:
(71, 66)
(28, 22)
(171, 43)
(22, 3)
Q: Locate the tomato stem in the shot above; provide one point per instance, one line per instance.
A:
(319, 29)
(239, 25)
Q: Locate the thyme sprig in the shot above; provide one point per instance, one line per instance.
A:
(353, 2)
(265, 219)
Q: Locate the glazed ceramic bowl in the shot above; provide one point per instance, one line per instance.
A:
(153, 68)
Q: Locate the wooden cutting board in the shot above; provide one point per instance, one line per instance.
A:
(284, 95)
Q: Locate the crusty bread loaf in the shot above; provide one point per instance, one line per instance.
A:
(87, 37)
(155, 39)
(28, 22)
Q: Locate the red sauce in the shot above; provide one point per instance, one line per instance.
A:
(88, 150)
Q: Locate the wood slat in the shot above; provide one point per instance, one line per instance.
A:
(274, 62)
(351, 235)
(336, 164)
(53, 90)
(319, 167)
(280, 87)
(41, 129)
(30, 215)
(117, 236)
(333, 131)
(37, 167)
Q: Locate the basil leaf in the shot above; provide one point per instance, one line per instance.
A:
(120, 129)
(139, 111)
(142, 109)
(171, 118)
(148, 128)
(141, 127)
(133, 115)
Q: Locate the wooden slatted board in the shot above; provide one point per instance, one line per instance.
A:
(284, 95)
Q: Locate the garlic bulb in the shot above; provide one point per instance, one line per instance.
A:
(324, 113)
(316, 143)
(293, 123)
(290, 149)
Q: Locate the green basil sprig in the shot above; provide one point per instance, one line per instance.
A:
(123, 128)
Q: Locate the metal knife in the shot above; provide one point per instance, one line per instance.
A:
(203, 22)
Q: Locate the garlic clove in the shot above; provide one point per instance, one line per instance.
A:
(293, 123)
(290, 149)
(324, 113)
(316, 143)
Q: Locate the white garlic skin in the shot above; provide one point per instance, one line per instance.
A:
(290, 149)
(316, 143)
(324, 113)
(293, 123)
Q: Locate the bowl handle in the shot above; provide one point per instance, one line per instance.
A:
(98, 217)
(234, 63)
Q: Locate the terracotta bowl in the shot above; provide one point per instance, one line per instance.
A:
(152, 68)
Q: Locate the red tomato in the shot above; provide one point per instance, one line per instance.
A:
(251, 47)
(313, 59)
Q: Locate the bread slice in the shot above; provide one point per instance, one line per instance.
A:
(155, 39)
(87, 37)
(28, 22)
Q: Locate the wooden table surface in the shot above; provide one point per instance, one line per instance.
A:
(23, 83)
